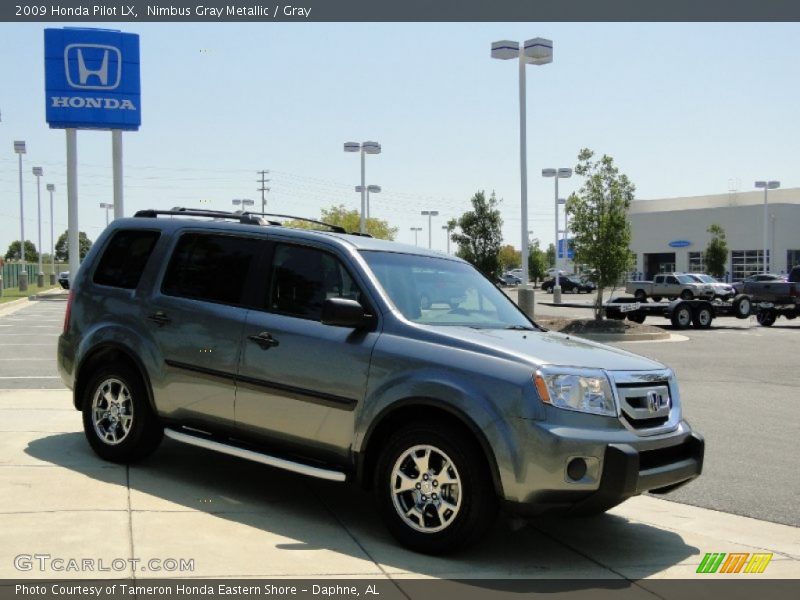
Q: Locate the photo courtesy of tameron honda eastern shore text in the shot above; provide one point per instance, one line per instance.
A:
(315, 352)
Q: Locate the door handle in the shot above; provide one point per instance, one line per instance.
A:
(160, 318)
(264, 339)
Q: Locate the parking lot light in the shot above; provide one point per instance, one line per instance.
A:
(766, 185)
(364, 148)
(52, 188)
(556, 174)
(416, 230)
(19, 148)
(430, 214)
(107, 205)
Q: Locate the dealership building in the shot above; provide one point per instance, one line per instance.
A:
(670, 234)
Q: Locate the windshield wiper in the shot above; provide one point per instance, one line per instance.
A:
(520, 328)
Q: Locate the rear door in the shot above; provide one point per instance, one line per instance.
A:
(300, 381)
(197, 317)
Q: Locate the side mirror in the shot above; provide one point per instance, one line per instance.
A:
(342, 312)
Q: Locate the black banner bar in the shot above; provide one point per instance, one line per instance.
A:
(86, 11)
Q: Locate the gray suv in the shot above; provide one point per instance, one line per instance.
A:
(311, 351)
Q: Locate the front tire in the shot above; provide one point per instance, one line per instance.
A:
(681, 317)
(433, 489)
(117, 419)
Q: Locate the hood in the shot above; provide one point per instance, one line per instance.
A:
(549, 348)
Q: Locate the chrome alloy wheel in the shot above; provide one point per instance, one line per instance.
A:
(112, 411)
(426, 489)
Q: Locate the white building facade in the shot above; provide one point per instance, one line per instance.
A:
(671, 234)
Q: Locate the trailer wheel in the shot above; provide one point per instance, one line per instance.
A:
(702, 318)
(637, 316)
(742, 306)
(790, 315)
(681, 317)
(766, 318)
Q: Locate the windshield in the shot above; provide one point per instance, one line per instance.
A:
(704, 278)
(686, 279)
(435, 291)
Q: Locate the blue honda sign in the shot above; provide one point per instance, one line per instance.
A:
(570, 250)
(92, 79)
(680, 243)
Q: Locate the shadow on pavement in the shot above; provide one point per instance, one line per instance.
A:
(342, 518)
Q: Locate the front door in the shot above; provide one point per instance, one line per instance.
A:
(300, 381)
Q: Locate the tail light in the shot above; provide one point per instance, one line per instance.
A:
(69, 311)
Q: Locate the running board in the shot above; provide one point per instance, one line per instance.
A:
(264, 459)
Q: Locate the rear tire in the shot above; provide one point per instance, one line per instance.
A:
(766, 318)
(702, 318)
(118, 421)
(742, 305)
(433, 488)
(637, 316)
(656, 298)
(687, 295)
(640, 295)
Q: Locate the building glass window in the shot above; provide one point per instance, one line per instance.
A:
(792, 259)
(696, 262)
(747, 262)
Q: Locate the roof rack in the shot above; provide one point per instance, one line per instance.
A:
(334, 228)
(243, 218)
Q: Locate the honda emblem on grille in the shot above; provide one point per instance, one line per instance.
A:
(655, 401)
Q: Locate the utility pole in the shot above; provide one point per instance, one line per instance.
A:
(263, 189)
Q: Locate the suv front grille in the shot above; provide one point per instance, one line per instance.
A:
(645, 405)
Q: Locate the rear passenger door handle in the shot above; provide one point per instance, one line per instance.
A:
(160, 318)
(264, 339)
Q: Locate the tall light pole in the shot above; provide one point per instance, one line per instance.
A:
(37, 171)
(447, 229)
(766, 185)
(52, 188)
(371, 189)
(106, 205)
(430, 214)
(19, 148)
(536, 51)
(416, 230)
(364, 148)
(563, 202)
(557, 174)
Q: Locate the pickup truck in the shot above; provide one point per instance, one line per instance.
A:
(774, 298)
(669, 285)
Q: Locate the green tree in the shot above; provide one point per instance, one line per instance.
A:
(550, 256)
(31, 255)
(599, 221)
(537, 261)
(716, 254)
(350, 220)
(510, 257)
(62, 246)
(480, 234)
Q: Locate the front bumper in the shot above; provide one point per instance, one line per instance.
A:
(626, 471)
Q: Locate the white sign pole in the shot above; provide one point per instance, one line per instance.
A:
(116, 153)
(72, 203)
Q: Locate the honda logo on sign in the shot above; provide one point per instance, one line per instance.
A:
(93, 66)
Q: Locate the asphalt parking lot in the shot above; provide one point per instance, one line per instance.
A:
(240, 519)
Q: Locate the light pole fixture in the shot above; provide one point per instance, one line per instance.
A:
(766, 185)
(416, 230)
(557, 174)
(107, 206)
(52, 188)
(19, 148)
(371, 189)
(448, 230)
(430, 214)
(243, 202)
(364, 148)
(38, 172)
(536, 51)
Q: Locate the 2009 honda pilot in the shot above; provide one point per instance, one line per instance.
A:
(311, 351)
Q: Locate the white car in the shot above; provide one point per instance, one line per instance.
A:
(722, 290)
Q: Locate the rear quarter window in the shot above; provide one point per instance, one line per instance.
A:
(125, 258)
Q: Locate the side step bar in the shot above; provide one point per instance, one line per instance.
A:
(264, 459)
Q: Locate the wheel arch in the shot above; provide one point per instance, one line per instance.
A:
(418, 409)
(108, 351)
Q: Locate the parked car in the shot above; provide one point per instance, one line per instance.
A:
(739, 285)
(63, 279)
(773, 298)
(569, 284)
(669, 285)
(309, 351)
(510, 279)
(722, 290)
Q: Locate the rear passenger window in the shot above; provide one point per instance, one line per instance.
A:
(210, 267)
(303, 278)
(125, 258)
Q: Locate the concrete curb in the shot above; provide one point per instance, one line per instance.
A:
(13, 306)
(624, 337)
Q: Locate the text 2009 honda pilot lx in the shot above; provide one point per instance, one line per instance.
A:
(311, 351)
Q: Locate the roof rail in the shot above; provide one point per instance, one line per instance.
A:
(334, 228)
(243, 218)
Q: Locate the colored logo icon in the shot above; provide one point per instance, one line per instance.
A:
(735, 562)
(93, 66)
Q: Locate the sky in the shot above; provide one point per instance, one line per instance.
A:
(684, 109)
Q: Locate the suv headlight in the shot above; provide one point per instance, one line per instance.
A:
(582, 390)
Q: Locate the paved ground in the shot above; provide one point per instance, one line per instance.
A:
(236, 518)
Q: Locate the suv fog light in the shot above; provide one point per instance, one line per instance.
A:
(576, 469)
